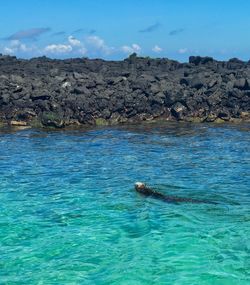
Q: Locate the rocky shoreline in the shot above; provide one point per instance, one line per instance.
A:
(58, 93)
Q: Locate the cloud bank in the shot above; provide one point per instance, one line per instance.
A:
(16, 46)
(73, 46)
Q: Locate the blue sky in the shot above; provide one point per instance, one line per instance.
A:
(113, 29)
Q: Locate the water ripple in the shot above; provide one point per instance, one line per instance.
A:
(69, 213)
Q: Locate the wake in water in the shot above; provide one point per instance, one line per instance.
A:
(142, 188)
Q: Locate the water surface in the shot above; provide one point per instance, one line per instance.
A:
(69, 213)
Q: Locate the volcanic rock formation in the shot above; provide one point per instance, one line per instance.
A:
(50, 92)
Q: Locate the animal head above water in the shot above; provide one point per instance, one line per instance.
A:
(140, 187)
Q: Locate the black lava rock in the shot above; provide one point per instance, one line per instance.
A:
(60, 92)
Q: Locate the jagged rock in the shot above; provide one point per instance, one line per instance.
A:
(241, 84)
(159, 98)
(4, 99)
(106, 113)
(60, 92)
(177, 110)
(212, 83)
(211, 117)
(81, 90)
(193, 82)
(196, 83)
(200, 60)
(52, 120)
(39, 96)
(18, 89)
(25, 115)
(66, 84)
(235, 63)
(214, 99)
(224, 115)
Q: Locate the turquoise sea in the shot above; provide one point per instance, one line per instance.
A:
(69, 213)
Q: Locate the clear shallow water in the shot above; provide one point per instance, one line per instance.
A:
(69, 213)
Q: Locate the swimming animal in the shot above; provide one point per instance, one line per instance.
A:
(143, 189)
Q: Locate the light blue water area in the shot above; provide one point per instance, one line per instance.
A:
(69, 213)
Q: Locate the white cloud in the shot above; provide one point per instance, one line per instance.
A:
(131, 49)
(16, 46)
(73, 41)
(82, 50)
(182, 50)
(91, 44)
(127, 49)
(98, 44)
(96, 41)
(157, 49)
(76, 43)
(24, 48)
(74, 46)
(59, 48)
(136, 47)
(7, 50)
(15, 43)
